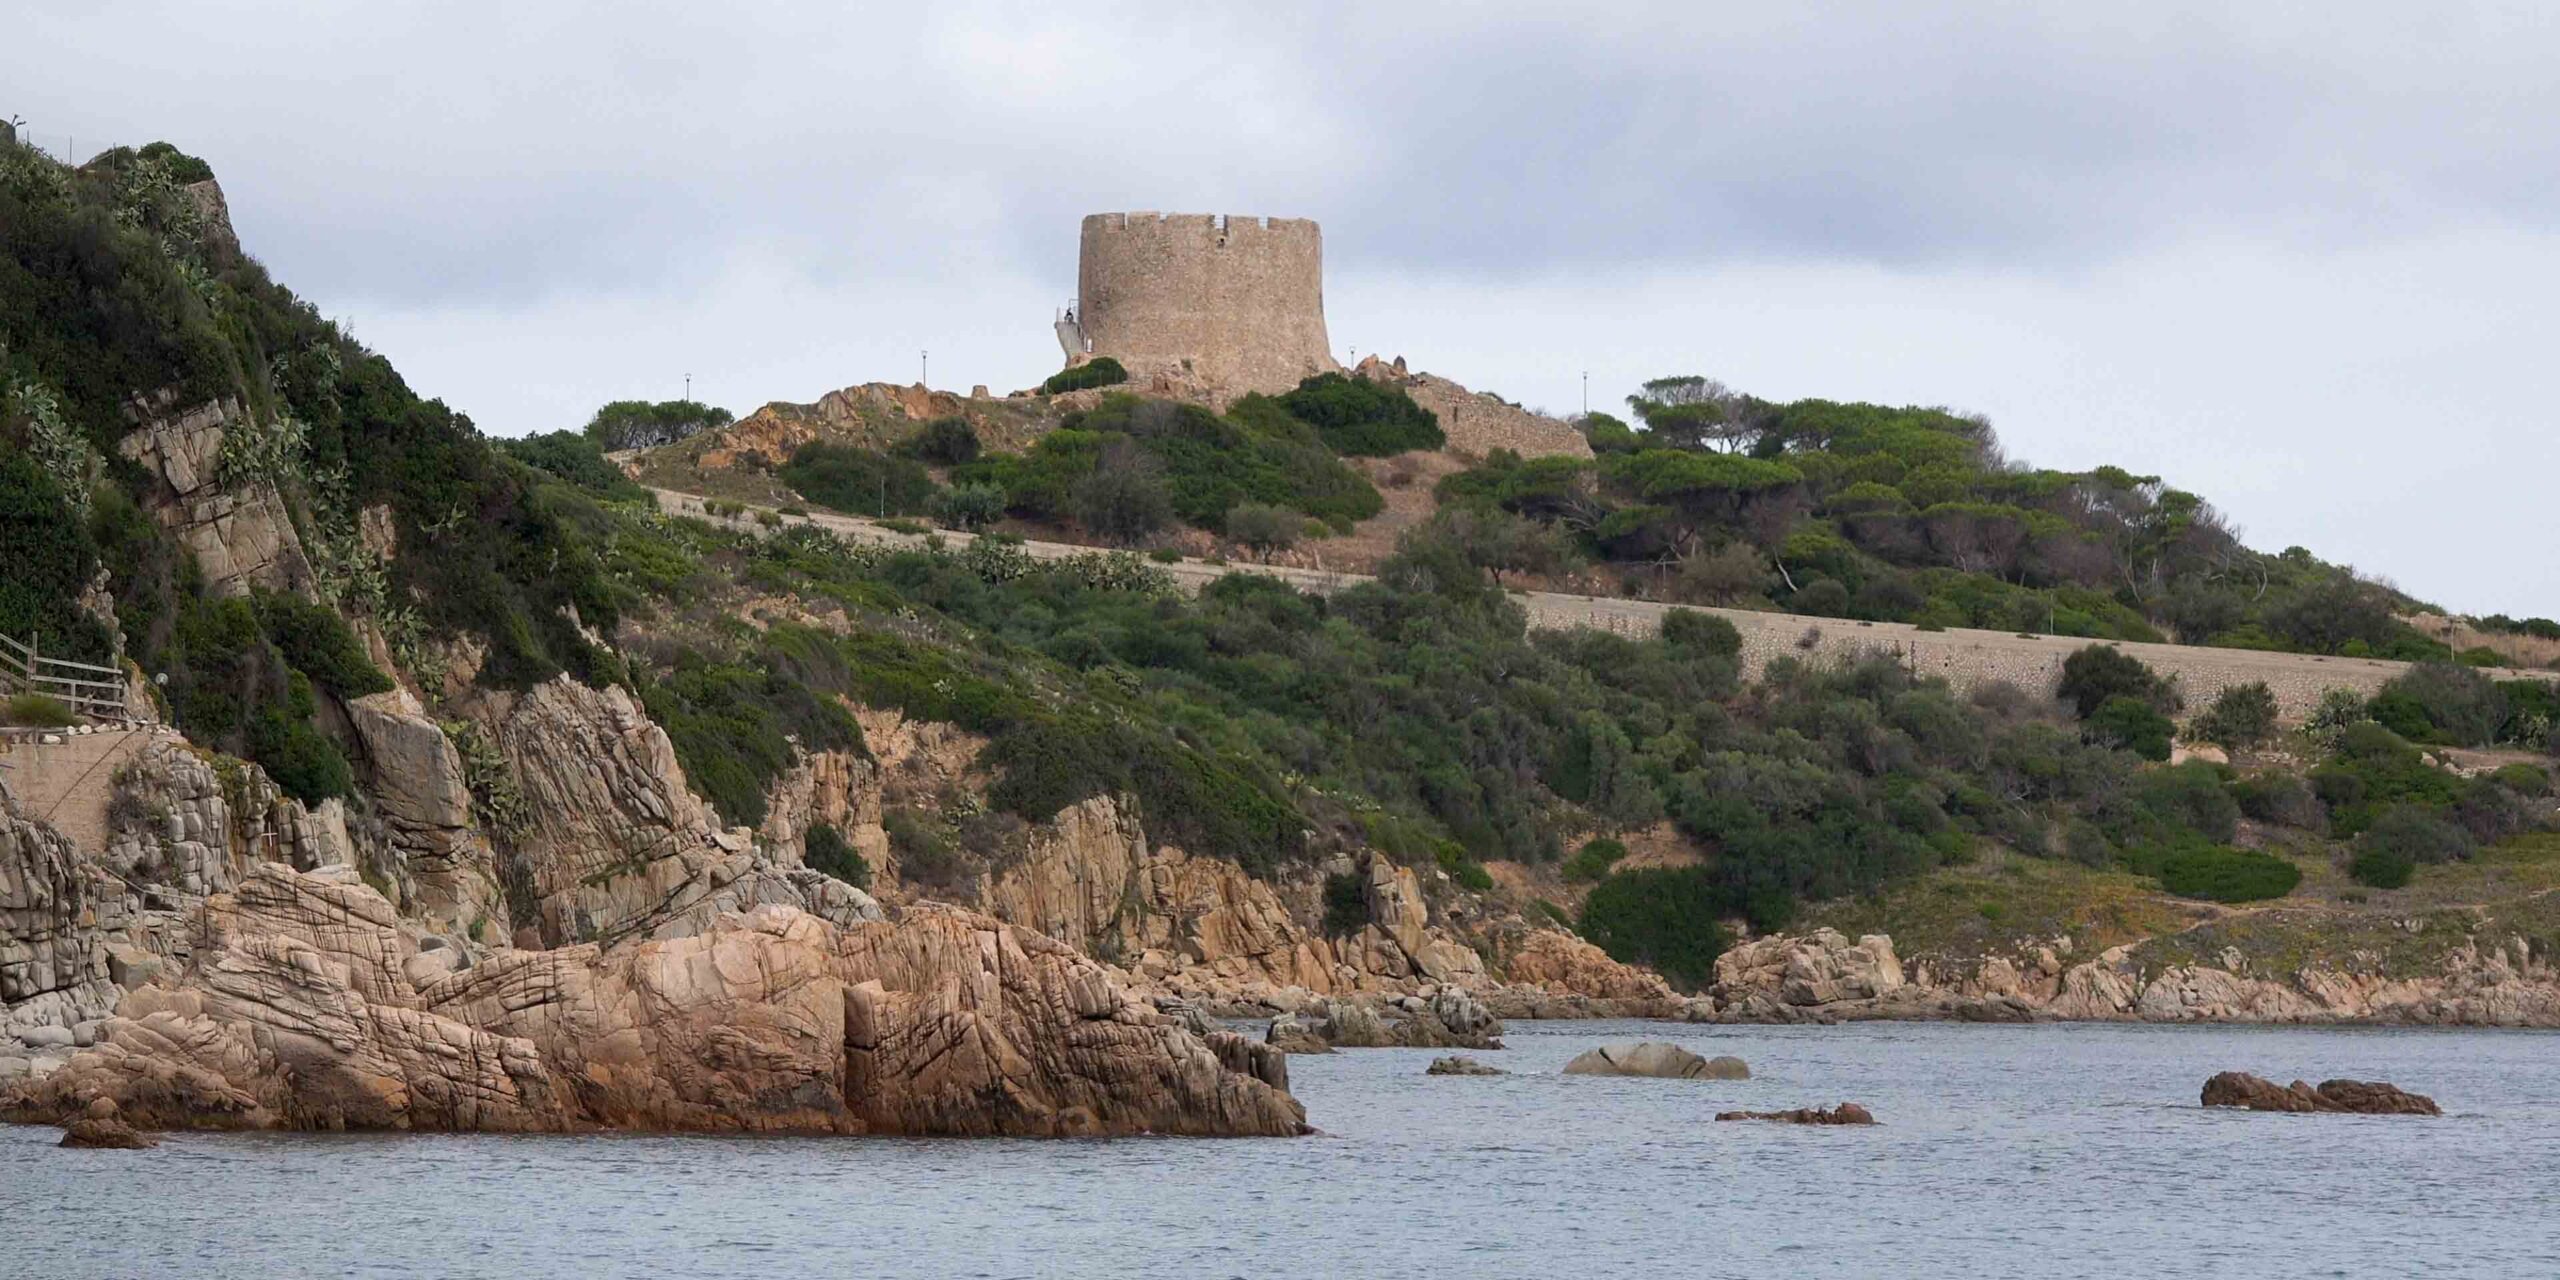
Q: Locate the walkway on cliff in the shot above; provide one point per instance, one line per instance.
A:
(1962, 655)
(66, 776)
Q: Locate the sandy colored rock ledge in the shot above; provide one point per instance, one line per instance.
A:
(296, 1012)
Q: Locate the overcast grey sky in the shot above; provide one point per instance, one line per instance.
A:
(2299, 258)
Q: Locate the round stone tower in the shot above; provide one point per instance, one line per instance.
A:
(1231, 303)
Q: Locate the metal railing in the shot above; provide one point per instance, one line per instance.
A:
(84, 686)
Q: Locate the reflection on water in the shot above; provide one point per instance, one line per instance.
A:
(2038, 1151)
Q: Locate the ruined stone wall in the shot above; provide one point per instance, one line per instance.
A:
(1232, 302)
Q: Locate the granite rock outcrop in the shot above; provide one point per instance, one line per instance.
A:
(298, 1012)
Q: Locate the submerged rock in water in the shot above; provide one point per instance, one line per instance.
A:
(297, 1011)
(2357, 1097)
(1656, 1060)
(1458, 1065)
(106, 1135)
(1845, 1113)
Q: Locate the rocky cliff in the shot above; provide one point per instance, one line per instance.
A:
(302, 1009)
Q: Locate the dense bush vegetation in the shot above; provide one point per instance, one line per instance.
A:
(641, 424)
(50, 559)
(2220, 873)
(1102, 371)
(2098, 674)
(944, 442)
(1203, 464)
(733, 723)
(859, 481)
(317, 642)
(2412, 834)
(2241, 716)
(578, 459)
(1914, 515)
(1360, 418)
(1665, 917)
(824, 849)
(2132, 724)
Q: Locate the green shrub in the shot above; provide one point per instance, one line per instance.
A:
(1665, 917)
(2443, 702)
(318, 643)
(640, 424)
(1594, 859)
(37, 711)
(1469, 873)
(1690, 631)
(2158, 808)
(925, 855)
(2414, 833)
(2133, 725)
(945, 442)
(969, 505)
(2523, 779)
(2282, 799)
(49, 562)
(1102, 371)
(577, 459)
(1360, 418)
(2381, 868)
(2093, 676)
(2371, 770)
(858, 481)
(1821, 598)
(824, 849)
(2219, 873)
(2241, 716)
(1346, 905)
(1125, 497)
(1262, 528)
(733, 723)
(306, 765)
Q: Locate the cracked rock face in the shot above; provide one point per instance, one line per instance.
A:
(298, 1011)
(613, 842)
(418, 786)
(53, 958)
(240, 539)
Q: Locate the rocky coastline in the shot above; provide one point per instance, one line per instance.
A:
(298, 1010)
(1824, 976)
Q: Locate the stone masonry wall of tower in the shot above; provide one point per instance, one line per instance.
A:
(1230, 301)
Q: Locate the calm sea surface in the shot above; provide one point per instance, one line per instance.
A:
(2039, 1151)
